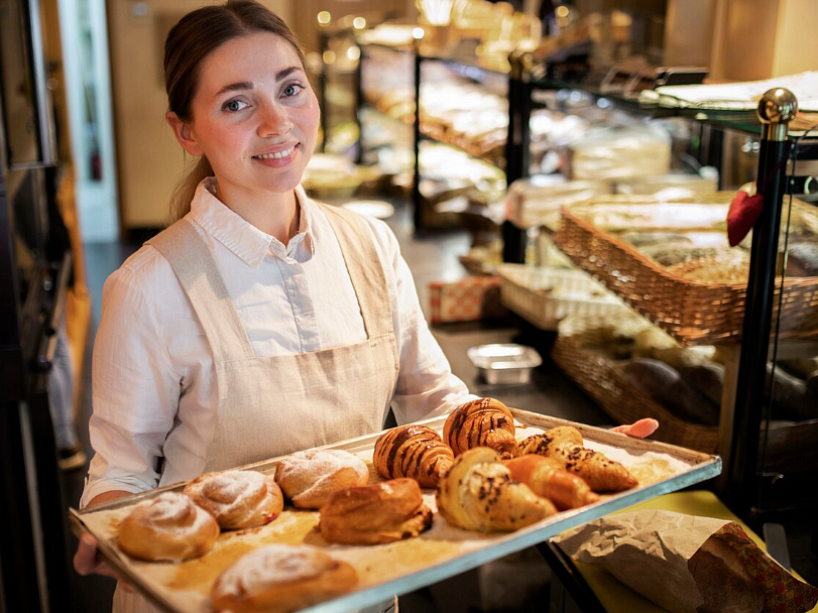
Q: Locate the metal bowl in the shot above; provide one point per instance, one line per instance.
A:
(504, 363)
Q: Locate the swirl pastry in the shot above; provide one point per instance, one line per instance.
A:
(238, 499)
(169, 527)
(308, 477)
(547, 478)
(279, 579)
(377, 513)
(412, 451)
(478, 493)
(564, 444)
(485, 422)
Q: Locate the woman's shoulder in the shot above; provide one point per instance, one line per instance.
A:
(144, 270)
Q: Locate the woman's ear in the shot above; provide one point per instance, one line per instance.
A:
(184, 134)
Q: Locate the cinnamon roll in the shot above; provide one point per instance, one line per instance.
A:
(238, 499)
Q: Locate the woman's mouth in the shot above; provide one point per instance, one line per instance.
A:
(278, 155)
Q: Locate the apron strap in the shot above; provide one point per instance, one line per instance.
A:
(364, 267)
(196, 270)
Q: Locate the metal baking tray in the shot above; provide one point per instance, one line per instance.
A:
(504, 362)
(404, 566)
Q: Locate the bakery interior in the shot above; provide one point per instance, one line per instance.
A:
(558, 176)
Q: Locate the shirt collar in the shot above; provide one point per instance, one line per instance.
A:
(243, 238)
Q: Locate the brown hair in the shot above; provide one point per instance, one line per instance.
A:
(189, 42)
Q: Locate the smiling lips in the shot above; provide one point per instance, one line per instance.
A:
(278, 155)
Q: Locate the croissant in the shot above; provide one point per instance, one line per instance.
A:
(169, 527)
(375, 513)
(238, 499)
(479, 494)
(412, 451)
(485, 422)
(564, 443)
(546, 477)
(280, 579)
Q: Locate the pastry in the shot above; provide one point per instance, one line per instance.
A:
(279, 579)
(412, 451)
(547, 478)
(485, 422)
(478, 493)
(376, 513)
(308, 477)
(564, 443)
(238, 499)
(168, 527)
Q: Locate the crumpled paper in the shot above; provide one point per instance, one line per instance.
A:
(649, 552)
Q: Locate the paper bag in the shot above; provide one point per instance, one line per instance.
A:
(688, 564)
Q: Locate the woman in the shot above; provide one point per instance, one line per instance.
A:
(261, 322)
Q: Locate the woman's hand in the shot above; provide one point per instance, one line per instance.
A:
(639, 429)
(88, 562)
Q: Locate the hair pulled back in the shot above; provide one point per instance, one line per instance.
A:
(189, 42)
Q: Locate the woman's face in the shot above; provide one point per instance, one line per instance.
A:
(255, 116)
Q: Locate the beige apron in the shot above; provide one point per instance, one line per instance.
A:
(276, 405)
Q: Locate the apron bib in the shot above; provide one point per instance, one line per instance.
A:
(277, 405)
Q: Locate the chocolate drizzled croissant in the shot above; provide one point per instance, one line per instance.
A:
(485, 422)
(412, 451)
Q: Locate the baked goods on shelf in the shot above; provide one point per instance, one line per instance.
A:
(478, 493)
(376, 513)
(238, 499)
(169, 527)
(546, 477)
(565, 444)
(308, 478)
(485, 422)
(413, 451)
(279, 579)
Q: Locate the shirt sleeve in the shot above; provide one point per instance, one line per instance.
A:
(426, 385)
(135, 391)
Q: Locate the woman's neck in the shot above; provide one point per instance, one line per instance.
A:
(275, 214)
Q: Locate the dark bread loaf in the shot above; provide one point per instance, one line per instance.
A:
(707, 379)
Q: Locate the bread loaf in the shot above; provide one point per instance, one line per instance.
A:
(707, 379)
(308, 478)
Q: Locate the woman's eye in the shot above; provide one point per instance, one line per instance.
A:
(234, 105)
(292, 90)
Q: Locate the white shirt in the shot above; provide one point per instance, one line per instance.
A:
(152, 367)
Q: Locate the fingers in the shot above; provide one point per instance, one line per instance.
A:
(87, 562)
(639, 429)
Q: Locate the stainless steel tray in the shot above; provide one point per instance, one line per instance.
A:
(396, 568)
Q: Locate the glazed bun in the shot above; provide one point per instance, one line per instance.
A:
(377, 513)
(168, 527)
(308, 478)
(279, 579)
(238, 499)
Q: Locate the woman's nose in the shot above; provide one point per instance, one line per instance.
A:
(274, 121)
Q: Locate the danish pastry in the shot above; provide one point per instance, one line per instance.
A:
(412, 451)
(168, 527)
(478, 493)
(238, 499)
(565, 444)
(485, 422)
(546, 477)
(308, 478)
(377, 513)
(279, 579)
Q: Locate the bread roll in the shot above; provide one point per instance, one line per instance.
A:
(308, 478)
(485, 422)
(169, 527)
(376, 513)
(238, 499)
(479, 494)
(279, 579)
(412, 451)
(564, 443)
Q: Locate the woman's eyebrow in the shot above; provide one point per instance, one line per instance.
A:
(241, 85)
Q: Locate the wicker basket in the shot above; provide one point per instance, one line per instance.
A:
(692, 312)
(595, 373)
(545, 296)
